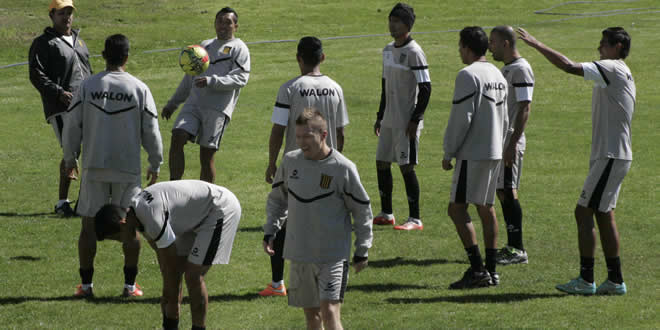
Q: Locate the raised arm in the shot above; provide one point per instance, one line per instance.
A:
(555, 57)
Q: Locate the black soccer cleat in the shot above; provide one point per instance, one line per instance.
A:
(472, 280)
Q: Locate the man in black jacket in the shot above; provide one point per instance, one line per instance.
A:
(59, 62)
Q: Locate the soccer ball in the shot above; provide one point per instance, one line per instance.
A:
(194, 60)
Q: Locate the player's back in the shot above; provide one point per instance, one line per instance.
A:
(320, 93)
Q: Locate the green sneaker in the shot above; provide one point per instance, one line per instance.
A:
(509, 255)
(578, 286)
(609, 287)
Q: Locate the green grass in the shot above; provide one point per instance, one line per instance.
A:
(405, 285)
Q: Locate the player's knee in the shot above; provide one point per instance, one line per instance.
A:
(179, 138)
(505, 195)
(381, 165)
(408, 168)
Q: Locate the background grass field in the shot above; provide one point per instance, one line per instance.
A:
(405, 285)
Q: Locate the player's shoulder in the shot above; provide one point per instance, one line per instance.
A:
(389, 47)
(342, 161)
(206, 43)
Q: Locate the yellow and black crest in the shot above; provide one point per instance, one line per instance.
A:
(325, 181)
(226, 50)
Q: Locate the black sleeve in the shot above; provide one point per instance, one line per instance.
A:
(423, 97)
(383, 100)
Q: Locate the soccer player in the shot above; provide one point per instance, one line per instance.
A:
(311, 89)
(320, 189)
(210, 98)
(405, 93)
(475, 134)
(112, 114)
(520, 78)
(612, 107)
(58, 63)
(191, 224)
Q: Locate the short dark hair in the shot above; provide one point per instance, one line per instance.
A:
(474, 38)
(405, 13)
(507, 34)
(615, 35)
(310, 49)
(116, 49)
(227, 10)
(106, 221)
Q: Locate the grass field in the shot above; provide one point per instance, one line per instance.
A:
(406, 283)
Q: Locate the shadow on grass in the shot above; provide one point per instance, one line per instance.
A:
(399, 261)
(257, 229)
(25, 258)
(478, 298)
(120, 300)
(386, 287)
(24, 215)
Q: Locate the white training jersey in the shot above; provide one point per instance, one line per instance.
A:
(320, 196)
(318, 92)
(478, 121)
(612, 106)
(228, 72)
(403, 68)
(112, 114)
(520, 77)
(172, 208)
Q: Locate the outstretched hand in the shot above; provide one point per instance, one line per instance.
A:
(526, 37)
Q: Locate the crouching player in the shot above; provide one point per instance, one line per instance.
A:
(191, 224)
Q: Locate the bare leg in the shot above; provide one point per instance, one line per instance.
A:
(177, 156)
(87, 243)
(199, 296)
(65, 182)
(313, 318)
(207, 161)
(464, 227)
(331, 315)
(586, 231)
(489, 221)
(609, 235)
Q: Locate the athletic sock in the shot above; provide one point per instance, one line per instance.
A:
(614, 270)
(385, 190)
(513, 217)
(130, 273)
(491, 259)
(475, 258)
(276, 260)
(86, 275)
(412, 190)
(277, 284)
(587, 269)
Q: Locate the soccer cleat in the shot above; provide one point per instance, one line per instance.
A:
(509, 255)
(135, 293)
(494, 278)
(471, 280)
(65, 210)
(609, 287)
(577, 286)
(384, 219)
(270, 291)
(410, 224)
(81, 293)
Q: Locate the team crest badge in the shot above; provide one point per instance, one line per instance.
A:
(226, 50)
(325, 181)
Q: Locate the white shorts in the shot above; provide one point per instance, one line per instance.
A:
(509, 177)
(206, 126)
(94, 194)
(57, 122)
(601, 188)
(395, 147)
(474, 182)
(309, 284)
(211, 242)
